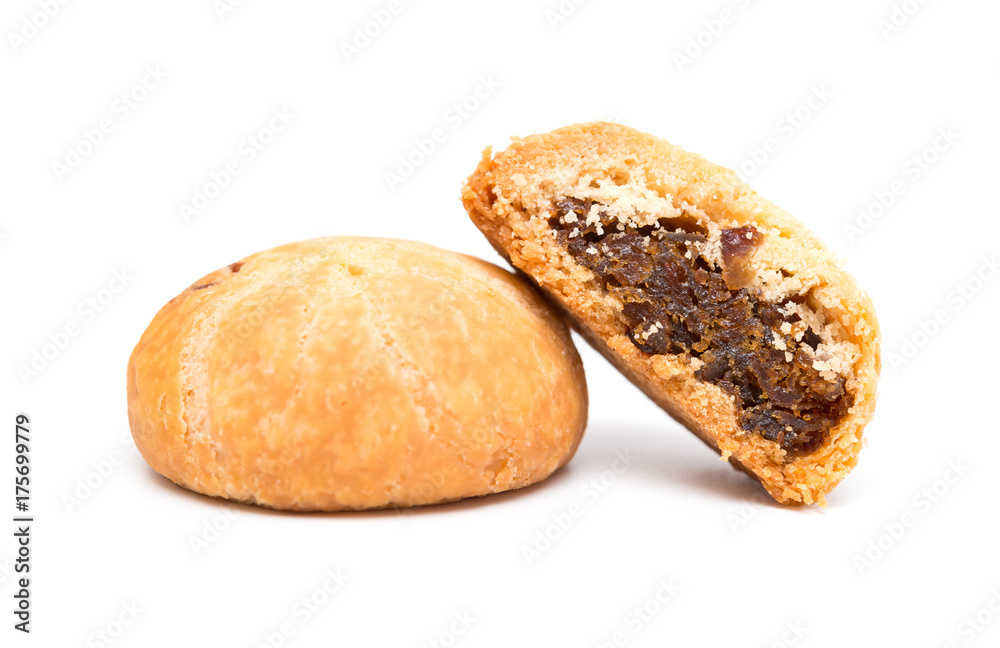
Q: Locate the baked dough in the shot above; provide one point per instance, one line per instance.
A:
(720, 306)
(356, 373)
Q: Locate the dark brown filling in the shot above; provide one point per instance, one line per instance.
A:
(675, 302)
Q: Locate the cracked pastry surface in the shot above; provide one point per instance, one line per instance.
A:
(353, 373)
(719, 305)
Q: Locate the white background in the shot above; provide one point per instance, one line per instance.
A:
(745, 571)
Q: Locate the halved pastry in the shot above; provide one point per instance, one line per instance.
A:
(720, 306)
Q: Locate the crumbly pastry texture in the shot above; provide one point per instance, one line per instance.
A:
(353, 373)
(719, 305)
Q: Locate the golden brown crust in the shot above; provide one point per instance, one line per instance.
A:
(510, 198)
(350, 373)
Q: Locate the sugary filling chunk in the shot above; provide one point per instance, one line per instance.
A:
(677, 302)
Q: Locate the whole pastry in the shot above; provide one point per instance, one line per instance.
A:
(356, 373)
(719, 305)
